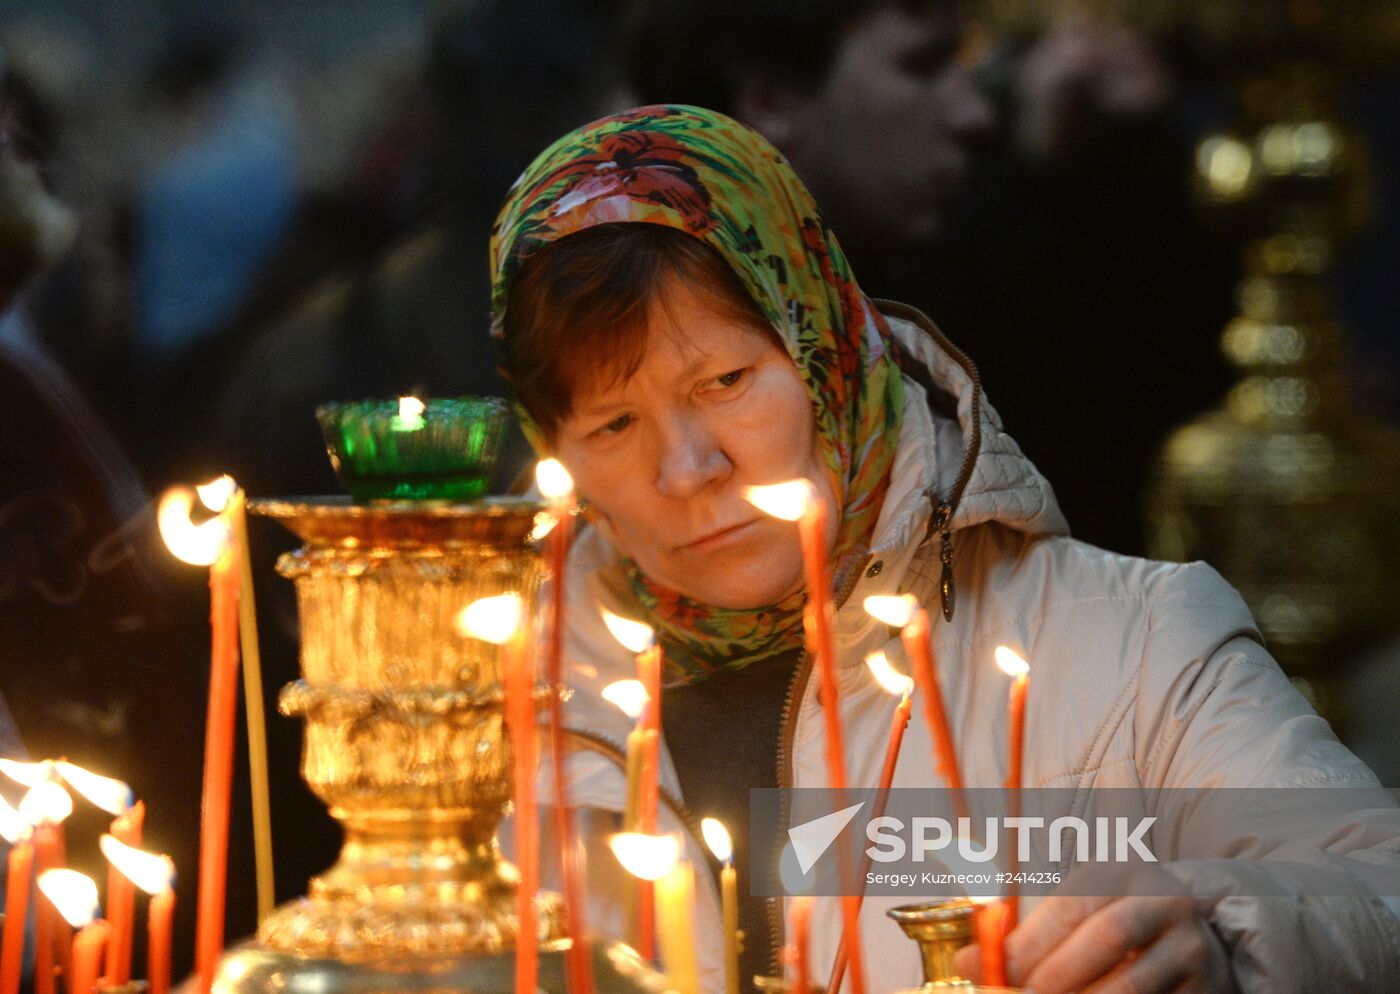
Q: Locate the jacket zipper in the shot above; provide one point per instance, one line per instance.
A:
(942, 520)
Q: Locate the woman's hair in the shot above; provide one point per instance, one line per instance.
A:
(577, 310)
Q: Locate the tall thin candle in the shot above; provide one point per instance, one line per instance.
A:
(991, 942)
(639, 638)
(74, 895)
(19, 869)
(717, 838)
(253, 707)
(121, 900)
(502, 620)
(798, 501)
(558, 488)
(156, 876)
(45, 806)
(209, 544)
(1017, 668)
(895, 683)
(801, 950)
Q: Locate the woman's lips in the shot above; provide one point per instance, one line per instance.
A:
(720, 538)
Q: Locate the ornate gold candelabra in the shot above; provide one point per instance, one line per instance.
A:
(405, 743)
(1288, 488)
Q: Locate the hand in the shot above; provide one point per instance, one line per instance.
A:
(1113, 945)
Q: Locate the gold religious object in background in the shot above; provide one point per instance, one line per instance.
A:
(1288, 489)
(406, 744)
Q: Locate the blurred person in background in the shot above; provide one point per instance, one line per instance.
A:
(97, 654)
(1029, 195)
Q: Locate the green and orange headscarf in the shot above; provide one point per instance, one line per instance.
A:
(704, 174)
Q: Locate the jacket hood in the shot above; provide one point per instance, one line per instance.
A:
(977, 469)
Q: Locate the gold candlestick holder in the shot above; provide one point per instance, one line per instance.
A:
(407, 746)
(940, 928)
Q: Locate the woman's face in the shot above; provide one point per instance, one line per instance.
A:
(664, 456)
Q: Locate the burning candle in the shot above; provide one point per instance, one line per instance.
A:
(410, 416)
(209, 544)
(639, 639)
(630, 697)
(114, 797)
(1017, 668)
(903, 612)
(801, 950)
(557, 488)
(991, 941)
(798, 501)
(717, 838)
(501, 620)
(45, 806)
(19, 867)
(156, 876)
(75, 897)
(895, 683)
(656, 859)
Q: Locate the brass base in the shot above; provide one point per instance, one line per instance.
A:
(255, 969)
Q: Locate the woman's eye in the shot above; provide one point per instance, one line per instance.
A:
(615, 425)
(730, 378)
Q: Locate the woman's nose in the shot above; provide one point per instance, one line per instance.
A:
(690, 459)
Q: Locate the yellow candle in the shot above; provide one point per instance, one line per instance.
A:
(717, 838)
(675, 905)
(636, 748)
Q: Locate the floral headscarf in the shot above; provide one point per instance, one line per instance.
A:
(704, 174)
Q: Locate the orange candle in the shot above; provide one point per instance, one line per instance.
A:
(802, 944)
(19, 869)
(901, 685)
(558, 488)
(121, 899)
(88, 947)
(49, 848)
(518, 679)
(155, 875)
(799, 501)
(160, 914)
(903, 612)
(991, 942)
(218, 768)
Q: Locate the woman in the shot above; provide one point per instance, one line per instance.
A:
(679, 324)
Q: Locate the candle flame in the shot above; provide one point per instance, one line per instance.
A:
(647, 856)
(788, 501)
(492, 619)
(544, 524)
(13, 825)
(889, 677)
(717, 838)
(410, 408)
(27, 774)
(1011, 664)
(146, 870)
(112, 796)
(198, 545)
(894, 611)
(553, 479)
(72, 893)
(45, 802)
(635, 636)
(216, 494)
(629, 695)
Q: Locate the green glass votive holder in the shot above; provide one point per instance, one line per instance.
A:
(406, 450)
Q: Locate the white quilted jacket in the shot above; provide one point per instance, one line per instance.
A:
(1146, 674)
